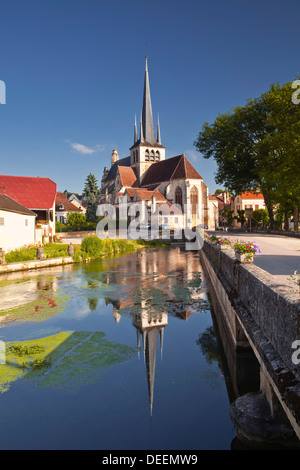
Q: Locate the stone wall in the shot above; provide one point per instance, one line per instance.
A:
(273, 307)
(270, 316)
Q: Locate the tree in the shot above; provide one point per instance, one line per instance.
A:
(91, 193)
(76, 220)
(240, 217)
(257, 147)
(261, 216)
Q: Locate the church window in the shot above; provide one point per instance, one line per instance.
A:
(147, 155)
(178, 196)
(157, 156)
(152, 156)
(194, 200)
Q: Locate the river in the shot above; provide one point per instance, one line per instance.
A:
(117, 354)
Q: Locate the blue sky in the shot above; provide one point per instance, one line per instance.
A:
(74, 72)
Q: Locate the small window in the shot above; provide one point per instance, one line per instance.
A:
(1, 221)
(157, 156)
(152, 156)
(26, 222)
(147, 155)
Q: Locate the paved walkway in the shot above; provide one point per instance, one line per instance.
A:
(280, 255)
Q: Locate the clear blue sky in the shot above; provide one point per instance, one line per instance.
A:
(74, 72)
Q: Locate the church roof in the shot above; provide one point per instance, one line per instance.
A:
(127, 175)
(113, 171)
(170, 169)
(145, 195)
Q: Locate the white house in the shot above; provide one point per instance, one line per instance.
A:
(247, 200)
(17, 224)
(63, 206)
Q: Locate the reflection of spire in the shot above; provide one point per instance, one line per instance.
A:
(150, 337)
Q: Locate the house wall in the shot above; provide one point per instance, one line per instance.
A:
(15, 232)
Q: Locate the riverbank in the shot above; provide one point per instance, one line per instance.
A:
(92, 248)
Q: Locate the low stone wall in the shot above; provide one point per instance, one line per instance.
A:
(275, 309)
(270, 316)
(34, 264)
(75, 234)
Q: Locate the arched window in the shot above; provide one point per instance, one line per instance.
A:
(136, 156)
(178, 196)
(194, 200)
(152, 156)
(147, 155)
(157, 156)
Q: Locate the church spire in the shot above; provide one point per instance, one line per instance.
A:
(148, 127)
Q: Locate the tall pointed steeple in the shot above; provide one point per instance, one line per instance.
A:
(148, 126)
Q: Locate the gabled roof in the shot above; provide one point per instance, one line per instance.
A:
(68, 206)
(113, 171)
(144, 194)
(170, 169)
(251, 195)
(32, 192)
(10, 205)
(127, 175)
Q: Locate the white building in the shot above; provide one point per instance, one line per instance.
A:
(17, 224)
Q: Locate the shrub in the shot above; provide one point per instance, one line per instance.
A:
(92, 246)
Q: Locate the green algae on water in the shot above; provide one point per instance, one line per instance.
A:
(65, 361)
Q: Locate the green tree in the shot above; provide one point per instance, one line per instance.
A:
(257, 147)
(76, 221)
(91, 192)
(261, 216)
(240, 217)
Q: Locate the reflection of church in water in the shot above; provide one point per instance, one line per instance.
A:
(150, 315)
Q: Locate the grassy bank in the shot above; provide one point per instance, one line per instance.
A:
(91, 247)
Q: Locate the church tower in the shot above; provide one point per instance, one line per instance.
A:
(147, 150)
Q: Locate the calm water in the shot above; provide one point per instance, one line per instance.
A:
(119, 354)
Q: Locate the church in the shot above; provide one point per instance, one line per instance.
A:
(148, 178)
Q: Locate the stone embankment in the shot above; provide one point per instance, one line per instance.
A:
(35, 264)
(269, 315)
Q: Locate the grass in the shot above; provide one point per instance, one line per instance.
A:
(91, 247)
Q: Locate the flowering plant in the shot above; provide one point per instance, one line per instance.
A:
(296, 279)
(246, 247)
(225, 241)
(214, 239)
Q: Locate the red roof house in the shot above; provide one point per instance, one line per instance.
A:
(37, 194)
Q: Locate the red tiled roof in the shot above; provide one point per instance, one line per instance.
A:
(127, 175)
(172, 168)
(251, 195)
(32, 192)
(68, 206)
(145, 195)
